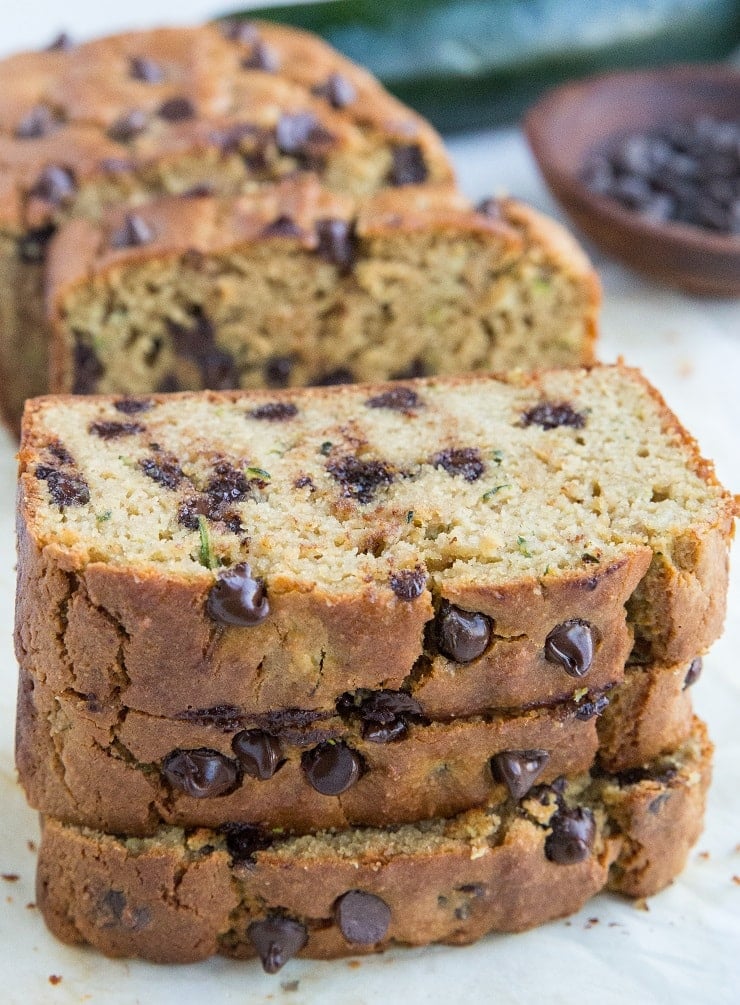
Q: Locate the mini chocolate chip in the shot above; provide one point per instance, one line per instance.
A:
(114, 430)
(37, 123)
(227, 484)
(463, 462)
(359, 479)
(201, 773)
(65, 489)
(409, 166)
(462, 636)
(362, 917)
(408, 584)
(282, 226)
(62, 43)
(128, 126)
(693, 673)
(133, 406)
(169, 384)
(58, 450)
(571, 646)
(55, 185)
(550, 415)
(87, 368)
(339, 376)
(304, 481)
(259, 753)
(142, 68)
(134, 233)
(385, 714)
(588, 709)
(263, 57)
(490, 208)
(399, 399)
(237, 598)
(115, 912)
(274, 411)
(336, 242)
(572, 837)
(239, 31)
(276, 940)
(33, 245)
(519, 769)
(176, 109)
(338, 90)
(331, 768)
(278, 370)
(219, 370)
(297, 133)
(243, 840)
(165, 471)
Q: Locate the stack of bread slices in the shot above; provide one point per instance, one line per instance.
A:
(317, 671)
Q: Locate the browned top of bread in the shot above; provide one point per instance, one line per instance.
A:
(113, 107)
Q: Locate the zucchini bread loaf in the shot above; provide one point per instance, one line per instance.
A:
(183, 895)
(479, 542)
(295, 285)
(122, 119)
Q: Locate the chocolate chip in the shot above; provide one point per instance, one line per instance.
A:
(243, 840)
(55, 185)
(409, 166)
(196, 341)
(116, 165)
(237, 598)
(281, 719)
(693, 673)
(219, 370)
(263, 57)
(134, 233)
(57, 449)
(588, 709)
(169, 384)
(283, 226)
(408, 584)
(227, 484)
(274, 411)
(128, 126)
(39, 122)
(359, 479)
(87, 368)
(416, 368)
(463, 462)
(33, 245)
(339, 376)
(62, 43)
(331, 768)
(462, 636)
(142, 68)
(114, 430)
(572, 837)
(385, 714)
(228, 718)
(550, 415)
(338, 90)
(65, 489)
(165, 471)
(259, 753)
(115, 912)
(201, 773)
(336, 242)
(490, 208)
(176, 110)
(278, 370)
(399, 399)
(636, 775)
(133, 406)
(276, 940)
(300, 133)
(362, 917)
(519, 769)
(571, 646)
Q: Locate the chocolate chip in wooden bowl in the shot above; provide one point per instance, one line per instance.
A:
(693, 673)
(336, 242)
(277, 939)
(33, 245)
(55, 185)
(201, 774)
(518, 770)
(259, 753)
(262, 57)
(238, 599)
(573, 832)
(178, 109)
(363, 918)
(460, 462)
(551, 415)
(135, 232)
(128, 126)
(570, 645)
(338, 90)
(408, 584)
(462, 636)
(398, 399)
(243, 840)
(37, 123)
(409, 166)
(65, 488)
(332, 767)
(146, 70)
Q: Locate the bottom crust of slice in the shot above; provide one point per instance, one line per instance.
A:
(182, 896)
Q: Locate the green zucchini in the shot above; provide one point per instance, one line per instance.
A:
(468, 64)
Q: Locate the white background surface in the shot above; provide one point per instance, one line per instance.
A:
(684, 949)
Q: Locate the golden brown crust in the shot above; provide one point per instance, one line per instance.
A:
(174, 899)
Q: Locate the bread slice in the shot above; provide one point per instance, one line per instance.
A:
(292, 285)
(119, 120)
(376, 761)
(273, 550)
(181, 896)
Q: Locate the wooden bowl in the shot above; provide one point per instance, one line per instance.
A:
(573, 121)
